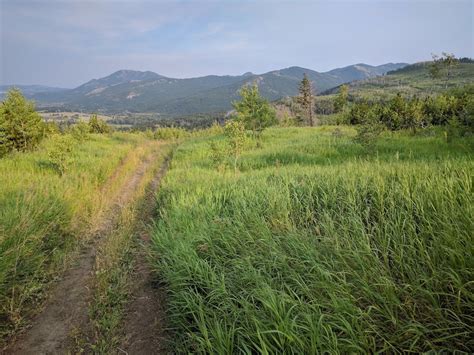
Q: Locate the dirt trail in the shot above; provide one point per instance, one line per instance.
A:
(144, 318)
(66, 311)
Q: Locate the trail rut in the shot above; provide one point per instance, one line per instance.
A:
(144, 318)
(65, 313)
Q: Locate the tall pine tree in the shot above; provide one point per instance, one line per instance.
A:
(306, 98)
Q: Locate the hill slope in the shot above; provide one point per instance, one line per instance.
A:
(136, 91)
(414, 79)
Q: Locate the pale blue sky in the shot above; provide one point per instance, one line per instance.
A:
(65, 43)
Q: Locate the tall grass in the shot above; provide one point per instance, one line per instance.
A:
(44, 215)
(316, 246)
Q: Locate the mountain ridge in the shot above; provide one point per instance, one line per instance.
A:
(146, 91)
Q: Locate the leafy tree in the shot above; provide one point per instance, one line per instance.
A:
(340, 101)
(235, 132)
(21, 127)
(96, 125)
(306, 98)
(254, 111)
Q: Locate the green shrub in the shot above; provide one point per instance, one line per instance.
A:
(96, 125)
(166, 133)
(80, 131)
(149, 133)
(235, 133)
(288, 121)
(215, 129)
(50, 128)
(369, 131)
(21, 127)
(218, 152)
(358, 112)
(60, 153)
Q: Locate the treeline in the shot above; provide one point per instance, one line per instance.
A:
(143, 122)
(455, 107)
(399, 112)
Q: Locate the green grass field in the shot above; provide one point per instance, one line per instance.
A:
(316, 246)
(43, 216)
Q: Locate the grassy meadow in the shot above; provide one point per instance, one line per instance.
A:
(316, 245)
(44, 216)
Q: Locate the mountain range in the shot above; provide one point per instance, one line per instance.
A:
(137, 91)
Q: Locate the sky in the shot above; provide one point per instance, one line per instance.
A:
(68, 42)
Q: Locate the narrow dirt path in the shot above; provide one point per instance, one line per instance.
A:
(143, 325)
(66, 312)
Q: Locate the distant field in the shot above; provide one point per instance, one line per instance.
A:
(70, 116)
(316, 246)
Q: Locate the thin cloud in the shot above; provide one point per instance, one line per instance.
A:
(67, 42)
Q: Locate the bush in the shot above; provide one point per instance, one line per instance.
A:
(80, 131)
(218, 154)
(96, 125)
(166, 133)
(288, 121)
(369, 131)
(21, 127)
(235, 133)
(50, 128)
(214, 130)
(358, 112)
(149, 133)
(60, 153)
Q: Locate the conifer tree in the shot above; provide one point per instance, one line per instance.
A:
(306, 98)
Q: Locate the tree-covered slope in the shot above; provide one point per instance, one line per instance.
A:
(136, 91)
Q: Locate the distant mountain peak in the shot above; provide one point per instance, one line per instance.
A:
(123, 76)
(146, 91)
(127, 74)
